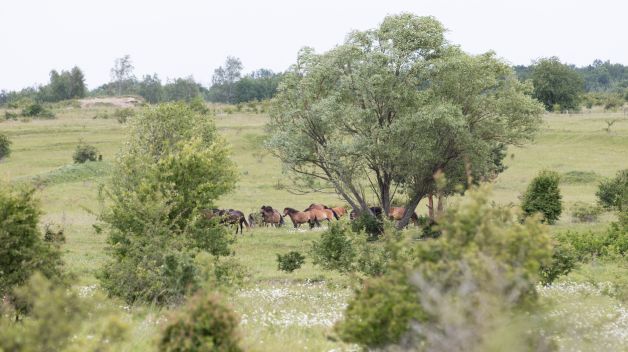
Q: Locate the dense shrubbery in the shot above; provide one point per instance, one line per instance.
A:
(84, 152)
(37, 110)
(543, 196)
(5, 146)
(290, 262)
(589, 244)
(334, 250)
(122, 115)
(173, 167)
(204, 324)
(23, 250)
(483, 250)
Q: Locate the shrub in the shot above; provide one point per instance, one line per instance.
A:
(543, 196)
(5, 146)
(173, 167)
(122, 115)
(368, 223)
(54, 233)
(84, 152)
(484, 251)
(564, 259)
(23, 250)
(589, 244)
(37, 110)
(290, 262)
(8, 115)
(584, 212)
(204, 324)
(612, 193)
(198, 104)
(334, 250)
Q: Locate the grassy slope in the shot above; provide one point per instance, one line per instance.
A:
(42, 151)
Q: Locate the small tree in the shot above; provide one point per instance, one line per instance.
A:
(612, 193)
(557, 84)
(122, 71)
(290, 262)
(23, 250)
(204, 324)
(334, 250)
(543, 196)
(84, 152)
(5, 146)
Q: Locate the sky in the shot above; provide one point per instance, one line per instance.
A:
(192, 37)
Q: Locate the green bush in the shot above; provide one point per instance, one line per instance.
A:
(122, 115)
(482, 248)
(23, 250)
(204, 324)
(543, 196)
(369, 224)
(334, 250)
(589, 244)
(564, 259)
(199, 105)
(612, 193)
(84, 152)
(584, 212)
(173, 167)
(37, 110)
(5, 146)
(8, 115)
(290, 262)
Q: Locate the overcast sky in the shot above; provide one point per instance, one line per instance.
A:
(192, 37)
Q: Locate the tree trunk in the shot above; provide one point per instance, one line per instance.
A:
(410, 208)
(440, 208)
(430, 206)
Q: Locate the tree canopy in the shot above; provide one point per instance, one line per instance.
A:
(557, 85)
(393, 106)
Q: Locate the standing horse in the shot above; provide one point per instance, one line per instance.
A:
(229, 216)
(298, 217)
(271, 216)
(329, 211)
(396, 214)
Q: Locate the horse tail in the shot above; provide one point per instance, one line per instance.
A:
(281, 221)
(243, 220)
(334, 212)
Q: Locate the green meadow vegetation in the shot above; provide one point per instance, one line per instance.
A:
(296, 310)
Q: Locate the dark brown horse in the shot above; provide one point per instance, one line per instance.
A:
(271, 216)
(229, 216)
(298, 217)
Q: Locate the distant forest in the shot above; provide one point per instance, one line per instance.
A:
(230, 85)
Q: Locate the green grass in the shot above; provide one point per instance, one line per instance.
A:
(282, 311)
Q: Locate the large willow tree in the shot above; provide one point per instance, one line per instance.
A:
(393, 106)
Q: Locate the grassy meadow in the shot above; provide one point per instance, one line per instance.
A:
(294, 312)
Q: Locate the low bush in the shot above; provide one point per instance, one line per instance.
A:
(9, 115)
(122, 115)
(612, 193)
(543, 196)
(290, 262)
(54, 233)
(334, 250)
(204, 324)
(369, 224)
(5, 146)
(589, 244)
(564, 260)
(84, 152)
(583, 212)
(36, 110)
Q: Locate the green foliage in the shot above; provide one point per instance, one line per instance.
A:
(334, 250)
(172, 168)
(290, 262)
(123, 114)
(23, 249)
(58, 320)
(198, 104)
(584, 212)
(557, 84)
(10, 115)
(612, 193)
(380, 312)
(543, 196)
(5, 146)
(564, 260)
(345, 117)
(204, 324)
(181, 89)
(84, 152)
(37, 110)
(65, 85)
(368, 223)
(481, 246)
(589, 244)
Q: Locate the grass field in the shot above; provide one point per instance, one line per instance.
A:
(293, 312)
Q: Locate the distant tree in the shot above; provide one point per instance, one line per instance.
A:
(77, 83)
(224, 79)
(122, 71)
(612, 193)
(557, 84)
(150, 89)
(543, 197)
(181, 89)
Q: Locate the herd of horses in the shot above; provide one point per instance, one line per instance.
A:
(312, 215)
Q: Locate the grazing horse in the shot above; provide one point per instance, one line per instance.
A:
(329, 211)
(396, 213)
(271, 216)
(229, 216)
(252, 222)
(298, 217)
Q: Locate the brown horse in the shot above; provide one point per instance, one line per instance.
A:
(340, 211)
(271, 216)
(317, 215)
(396, 214)
(329, 211)
(298, 217)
